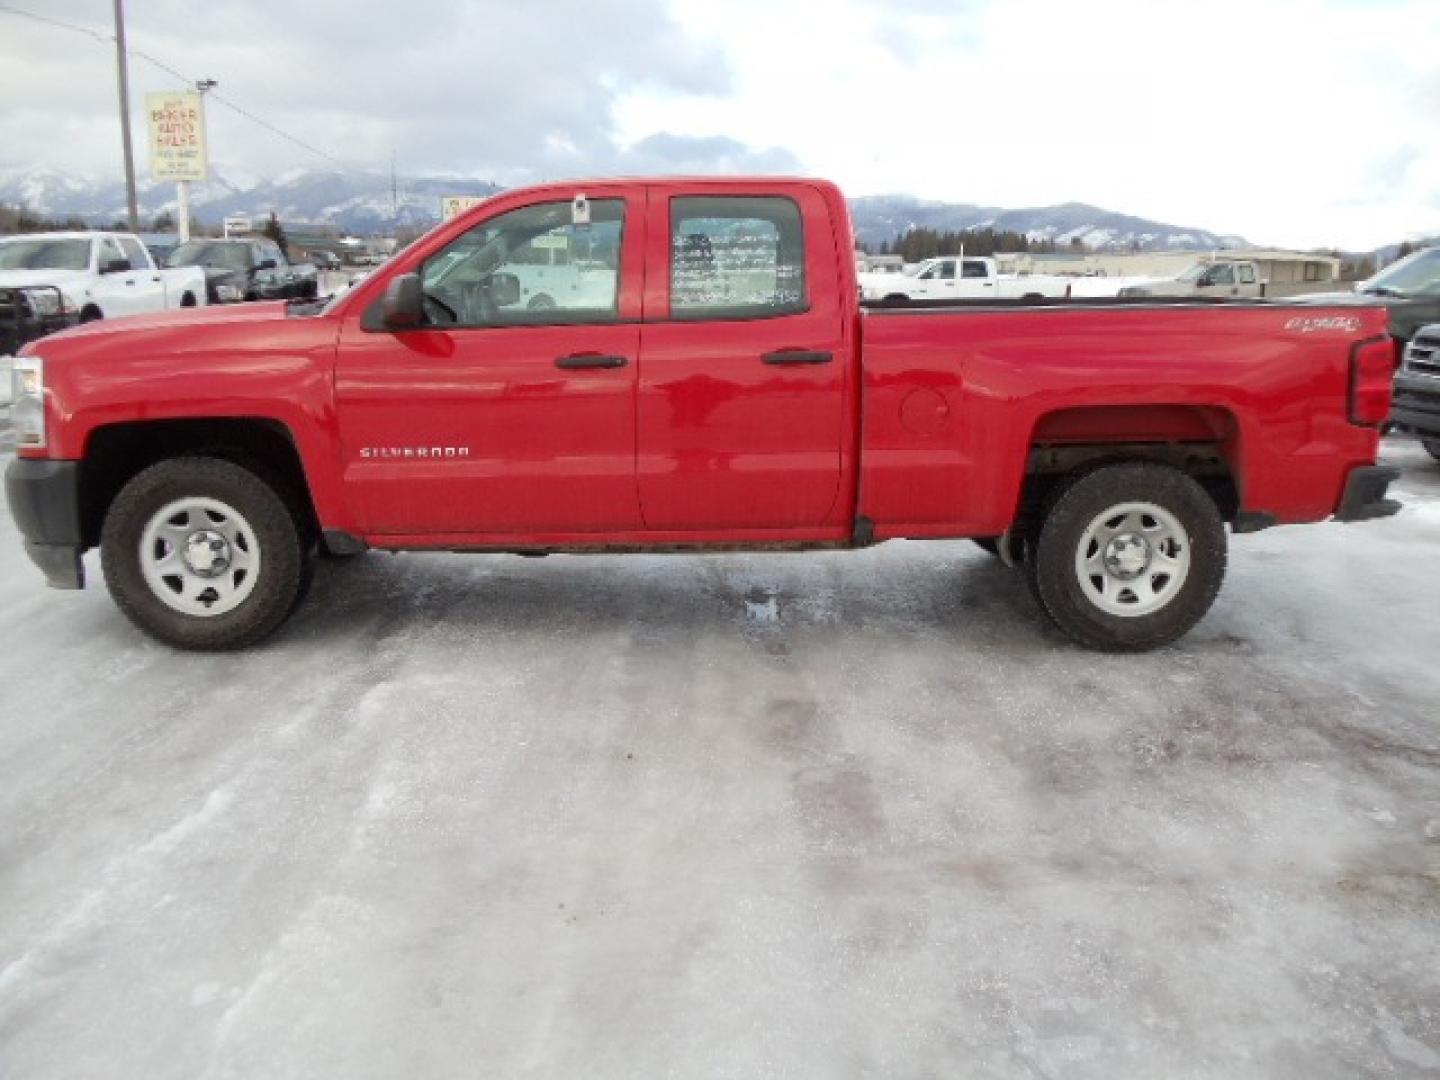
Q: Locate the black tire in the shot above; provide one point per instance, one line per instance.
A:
(91, 313)
(1432, 447)
(1057, 582)
(273, 594)
(188, 300)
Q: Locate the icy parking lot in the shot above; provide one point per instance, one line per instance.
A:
(821, 815)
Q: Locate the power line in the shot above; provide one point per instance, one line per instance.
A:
(107, 39)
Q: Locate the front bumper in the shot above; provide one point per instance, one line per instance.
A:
(1364, 496)
(44, 498)
(1416, 404)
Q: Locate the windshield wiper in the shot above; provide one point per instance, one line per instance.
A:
(1383, 290)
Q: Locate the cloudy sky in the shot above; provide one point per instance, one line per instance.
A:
(1297, 122)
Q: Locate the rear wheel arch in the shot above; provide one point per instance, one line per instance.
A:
(1202, 441)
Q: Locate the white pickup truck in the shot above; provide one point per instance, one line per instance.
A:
(1220, 277)
(98, 275)
(953, 277)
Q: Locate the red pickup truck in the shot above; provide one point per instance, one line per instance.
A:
(683, 365)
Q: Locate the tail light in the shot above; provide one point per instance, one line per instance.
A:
(1372, 374)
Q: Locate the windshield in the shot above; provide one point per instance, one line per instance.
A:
(45, 255)
(1193, 273)
(212, 255)
(1417, 273)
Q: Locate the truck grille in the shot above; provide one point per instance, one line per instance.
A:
(1422, 355)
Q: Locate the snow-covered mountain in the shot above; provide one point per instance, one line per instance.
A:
(363, 202)
(360, 202)
(884, 217)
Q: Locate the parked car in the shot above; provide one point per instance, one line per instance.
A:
(1417, 389)
(1224, 278)
(248, 269)
(28, 312)
(324, 260)
(957, 278)
(718, 395)
(83, 276)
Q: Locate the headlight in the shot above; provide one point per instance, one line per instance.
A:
(229, 293)
(27, 411)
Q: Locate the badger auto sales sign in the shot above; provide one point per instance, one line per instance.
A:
(177, 136)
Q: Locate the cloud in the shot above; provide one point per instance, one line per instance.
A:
(666, 152)
(490, 87)
(1302, 122)
(1268, 118)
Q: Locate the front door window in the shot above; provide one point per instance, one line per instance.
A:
(534, 265)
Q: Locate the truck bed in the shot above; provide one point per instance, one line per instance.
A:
(960, 396)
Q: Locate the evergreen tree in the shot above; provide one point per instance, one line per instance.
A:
(275, 231)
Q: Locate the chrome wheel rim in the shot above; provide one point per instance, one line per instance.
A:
(200, 556)
(1133, 559)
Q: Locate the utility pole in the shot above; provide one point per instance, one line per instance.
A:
(124, 78)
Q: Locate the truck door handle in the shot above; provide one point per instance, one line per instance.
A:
(796, 356)
(589, 360)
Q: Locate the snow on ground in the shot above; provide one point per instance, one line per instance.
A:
(795, 815)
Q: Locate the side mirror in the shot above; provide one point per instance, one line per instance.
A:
(115, 266)
(265, 264)
(504, 289)
(403, 307)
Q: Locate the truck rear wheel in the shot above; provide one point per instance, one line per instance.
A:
(1129, 557)
(203, 554)
(1432, 447)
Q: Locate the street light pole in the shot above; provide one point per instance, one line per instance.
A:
(124, 78)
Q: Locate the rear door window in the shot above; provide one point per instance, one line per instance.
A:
(736, 257)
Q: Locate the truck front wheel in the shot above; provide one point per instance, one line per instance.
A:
(1432, 447)
(203, 554)
(1129, 557)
